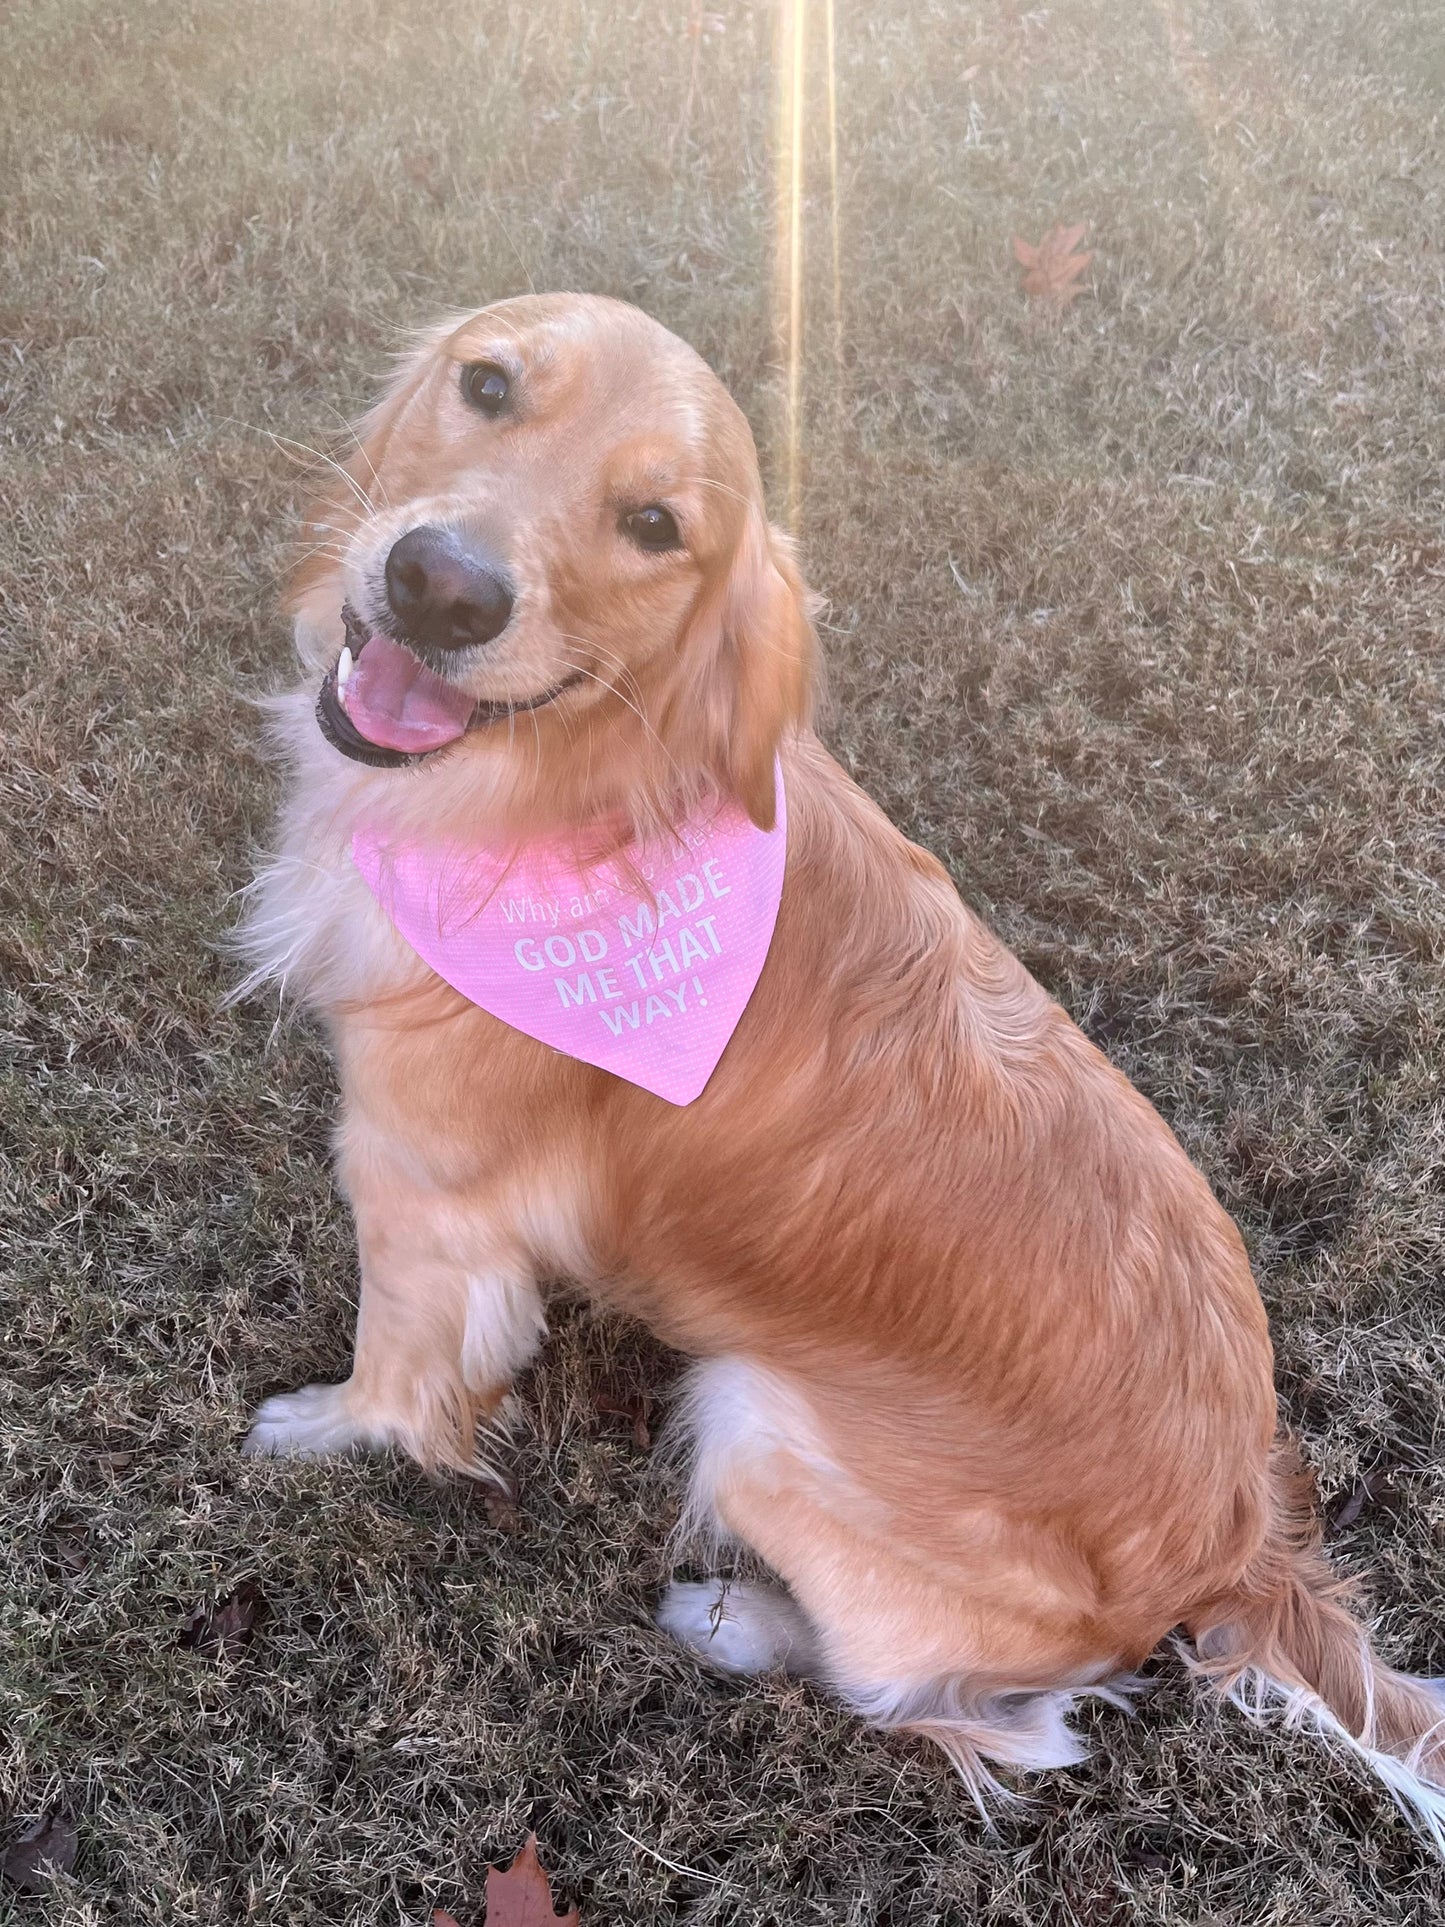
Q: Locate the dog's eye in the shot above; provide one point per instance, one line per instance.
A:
(485, 386)
(652, 528)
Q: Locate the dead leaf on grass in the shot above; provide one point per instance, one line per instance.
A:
(70, 1550)
(499, 1498)
(1374, 1487)
(1051, 270)
(503, 1512)
(222, 1630)
(636, 1408)
(422, 170)
(521, 1896)
(47, 1847)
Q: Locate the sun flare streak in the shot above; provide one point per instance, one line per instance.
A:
(829, 30)
(790, 183)
(793, 25)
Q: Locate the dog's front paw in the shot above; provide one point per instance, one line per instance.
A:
(314, 1423)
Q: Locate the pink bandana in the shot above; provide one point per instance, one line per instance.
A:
(650, 990)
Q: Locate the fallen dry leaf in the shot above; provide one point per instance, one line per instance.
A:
(636, 1408)
(421, 170)
(503, 1512)
(47, 1847)
(1374, 1487)
(499, 1498)
(520, 1895)
(70, 1550)
(1051, 270)
(220, 1631)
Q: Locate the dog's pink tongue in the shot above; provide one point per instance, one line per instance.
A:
(398, 703)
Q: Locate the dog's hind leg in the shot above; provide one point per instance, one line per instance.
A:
(984, 1656)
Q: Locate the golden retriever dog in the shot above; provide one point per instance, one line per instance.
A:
(980, 1370)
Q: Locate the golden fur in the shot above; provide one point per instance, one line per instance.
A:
(983, 1373)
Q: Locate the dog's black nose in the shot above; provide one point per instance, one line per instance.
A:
(444, 591)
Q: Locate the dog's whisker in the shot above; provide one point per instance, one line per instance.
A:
(287, 442)
(348, 535)
(623, 669)
(707, 481)
(336, 548)
(536, 743)
(612, 688)
(327, 546)
(363, 451)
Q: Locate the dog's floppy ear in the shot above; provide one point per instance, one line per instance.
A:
(758, 660)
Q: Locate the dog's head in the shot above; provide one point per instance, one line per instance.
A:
(547, 562)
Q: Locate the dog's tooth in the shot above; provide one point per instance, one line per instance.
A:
(343, 667)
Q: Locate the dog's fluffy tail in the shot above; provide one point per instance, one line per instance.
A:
(1286, 1642)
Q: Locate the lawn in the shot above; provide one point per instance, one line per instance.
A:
(1133, 617)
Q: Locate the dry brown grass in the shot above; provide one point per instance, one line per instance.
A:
(1134, 620)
